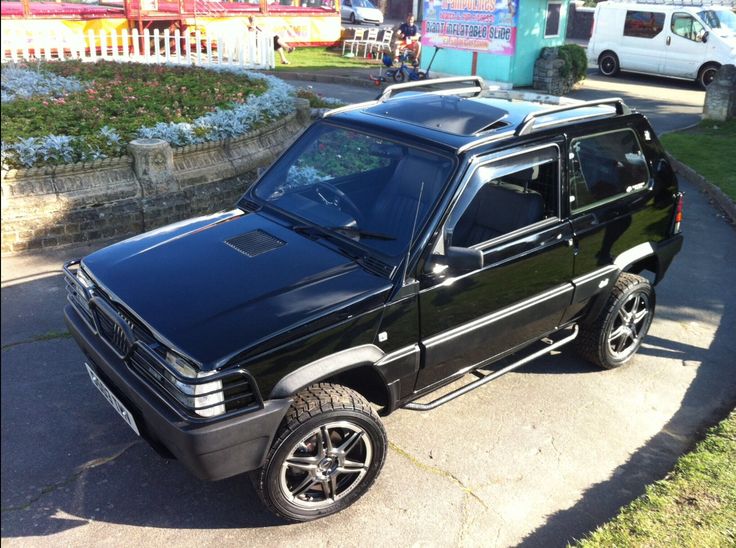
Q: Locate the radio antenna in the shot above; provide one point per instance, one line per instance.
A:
(413, 231)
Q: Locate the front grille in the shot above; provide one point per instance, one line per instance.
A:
(112, 333)
(145, 356)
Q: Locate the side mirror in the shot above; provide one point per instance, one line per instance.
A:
(462, 259)
(705, 36)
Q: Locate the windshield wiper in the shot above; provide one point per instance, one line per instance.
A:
(351, 230)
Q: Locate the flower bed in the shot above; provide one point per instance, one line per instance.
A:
(58, 113)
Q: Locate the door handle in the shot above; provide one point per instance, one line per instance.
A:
(572, 242)
(669, 40)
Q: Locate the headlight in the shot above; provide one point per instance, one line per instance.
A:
(83, 279)
(201, 398)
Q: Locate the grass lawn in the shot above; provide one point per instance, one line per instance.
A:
(709, 150)
(322, 58)
(694, 506)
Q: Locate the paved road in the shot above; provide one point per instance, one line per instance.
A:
(537, 458)
(669, 104)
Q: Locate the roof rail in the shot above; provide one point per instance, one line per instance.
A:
(478, 85)
(527, 124)
(353, 106)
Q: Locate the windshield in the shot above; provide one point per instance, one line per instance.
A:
(356, 185)
(363, 4)
(719, 20)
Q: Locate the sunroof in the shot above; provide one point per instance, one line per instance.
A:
(448, 113)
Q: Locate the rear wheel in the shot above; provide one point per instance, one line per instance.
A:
(608, 63)
(327, 454)
(707, 74)
(615, 336)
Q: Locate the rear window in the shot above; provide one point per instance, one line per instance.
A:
(605, 167)
(643, 24)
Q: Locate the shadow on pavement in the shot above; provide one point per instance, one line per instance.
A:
(691, 299)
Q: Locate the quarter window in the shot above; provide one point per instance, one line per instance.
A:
(605, 167)
(643, 24)
(686, 26)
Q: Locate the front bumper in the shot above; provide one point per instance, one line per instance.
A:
(211, 450)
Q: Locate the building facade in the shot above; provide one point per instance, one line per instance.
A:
(497, 39)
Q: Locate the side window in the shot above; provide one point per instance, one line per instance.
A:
(605, 167)
(643, 24)
(686, 26)
(504, 196)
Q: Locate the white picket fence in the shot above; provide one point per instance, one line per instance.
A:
(253, 50)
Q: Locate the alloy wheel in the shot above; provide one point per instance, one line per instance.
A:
(629, 325)
(326, 465)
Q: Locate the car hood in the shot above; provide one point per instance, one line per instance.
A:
(204, 298)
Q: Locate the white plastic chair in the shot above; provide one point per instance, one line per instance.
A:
(370, 41)
(355, 42)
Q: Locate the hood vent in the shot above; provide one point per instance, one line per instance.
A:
(255, 243)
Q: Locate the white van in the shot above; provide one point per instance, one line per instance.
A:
(676, 39)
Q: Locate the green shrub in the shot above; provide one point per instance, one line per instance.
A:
(576, 62)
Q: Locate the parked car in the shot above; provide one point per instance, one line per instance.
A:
(680, 41)
(361, 11)
(395, 247)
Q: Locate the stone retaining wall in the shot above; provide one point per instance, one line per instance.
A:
(116, 197)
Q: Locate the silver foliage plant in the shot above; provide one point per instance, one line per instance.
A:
(220, 124)
(17, 82)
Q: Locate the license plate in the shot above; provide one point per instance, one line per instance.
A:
(112, 399)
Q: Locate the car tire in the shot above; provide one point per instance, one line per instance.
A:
(614, 337)
(707, 74)
(328, 452)
(608, 64)
(352, 18)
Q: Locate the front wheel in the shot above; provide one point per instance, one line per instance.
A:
(608, 64)
(615, 336)
(707, 74)
(399, 76)
(327, 454)
(352, 18)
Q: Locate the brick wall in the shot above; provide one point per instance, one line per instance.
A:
(72, 204)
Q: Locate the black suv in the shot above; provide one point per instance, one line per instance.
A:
(396, 246)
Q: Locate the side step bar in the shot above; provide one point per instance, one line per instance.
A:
(492, 376)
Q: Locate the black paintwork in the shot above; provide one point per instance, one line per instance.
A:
(309, 297)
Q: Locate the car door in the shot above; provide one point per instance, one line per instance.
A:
(611, 205)
(685, 51)
(508, 212)
(643, 43)
(346, 9)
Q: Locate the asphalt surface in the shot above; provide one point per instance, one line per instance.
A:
(536, 458)
(669, 104)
